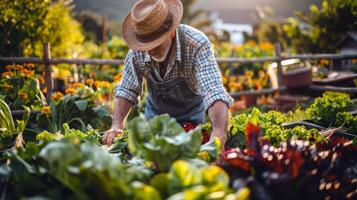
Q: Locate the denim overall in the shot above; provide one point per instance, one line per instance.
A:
(174, 96)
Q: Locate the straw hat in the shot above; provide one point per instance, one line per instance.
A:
(150, 23)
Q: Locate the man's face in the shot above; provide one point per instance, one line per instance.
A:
(160, 52)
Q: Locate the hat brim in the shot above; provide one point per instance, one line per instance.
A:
(175, 8)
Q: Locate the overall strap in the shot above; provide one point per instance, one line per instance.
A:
(182, 40)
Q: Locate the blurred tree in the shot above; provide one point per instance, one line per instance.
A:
(197, 18)
(92, 25)
(26, 24)
(323, 28)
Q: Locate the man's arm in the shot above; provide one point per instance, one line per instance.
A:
(122, 108)
(127, 93)
(218, 114)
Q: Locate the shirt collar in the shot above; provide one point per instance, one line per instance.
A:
(178, 50)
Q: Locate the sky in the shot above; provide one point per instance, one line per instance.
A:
(117, 9)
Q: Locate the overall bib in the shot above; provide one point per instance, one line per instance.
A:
(174, 96)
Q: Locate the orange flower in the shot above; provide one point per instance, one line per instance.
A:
(41, 80)
(46, 110)
(266, 46)
(7, 74)
(23, 95)
(70, 91)
(97, 84)
(19, 68)
(224, 80)
(249, 73)
(56, 96)
(77, 85)
(118, 77)
(30, 65)
(28, 73)
(89, 81)
(94, 75)
(9, 67)
(251, 43)
(259, 85)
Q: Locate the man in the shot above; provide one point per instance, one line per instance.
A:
(178, 64)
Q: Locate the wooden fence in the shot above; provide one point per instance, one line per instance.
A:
(278, 58)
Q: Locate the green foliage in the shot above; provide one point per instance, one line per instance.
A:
(77, 112)
(9, 130)
(90, 136)
(20, 87)
(324, 110)
(326, 26)
(29, 23)
(271, 126)
(189, 181)
(56, 170)
(161, 136)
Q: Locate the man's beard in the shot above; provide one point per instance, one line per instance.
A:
(162, 57)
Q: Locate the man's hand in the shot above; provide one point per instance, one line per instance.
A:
(222, 136)
(109, 135)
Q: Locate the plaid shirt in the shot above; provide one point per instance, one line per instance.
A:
(201, 73)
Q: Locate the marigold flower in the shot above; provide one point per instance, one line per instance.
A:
(19, 68)
(249, 73)
(70, 91)
(9, 67)
(46, 110)
(27, 72)
(97, 84)
(118, 77)
(77, 85)
(41, 80)
(89, 81)
(30, 65)
(7, 74)
(56, 96)
(105, 84)
(23, 95)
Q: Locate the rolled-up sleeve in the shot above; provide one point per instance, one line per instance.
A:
(130, 86)
(209, 77)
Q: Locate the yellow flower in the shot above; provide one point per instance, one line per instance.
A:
(77, 85)
(57, 96)
(251, 43)
(89, 81)
(23, 95)
(118, 77)
(249, 73)
(105, 84)
(7, 74)
(7, 86)
(224, 80)
(70, 91)
(9, 67)
(44, 90)
(41, 80)
(46, 110)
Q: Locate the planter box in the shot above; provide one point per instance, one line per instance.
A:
(343, 79)
(300, 77)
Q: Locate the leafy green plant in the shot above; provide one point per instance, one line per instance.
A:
(161, 136)
(187, 180)
(271, 126)
(324, 110)
(11, 132)
(56, 170)
(75, 111)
